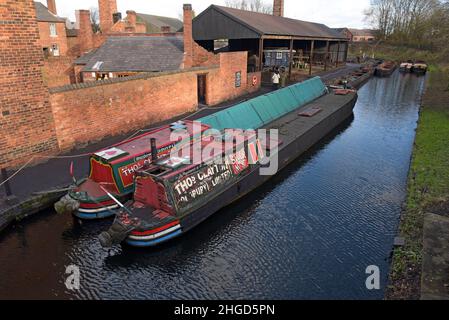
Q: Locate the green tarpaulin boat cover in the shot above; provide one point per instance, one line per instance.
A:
(257, 112)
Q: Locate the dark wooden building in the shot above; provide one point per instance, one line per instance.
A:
(263, 35)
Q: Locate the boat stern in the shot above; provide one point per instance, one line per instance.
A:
(94, 203)
(151, 237)
(141, 226)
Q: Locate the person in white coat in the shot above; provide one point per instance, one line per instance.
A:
(276, 78)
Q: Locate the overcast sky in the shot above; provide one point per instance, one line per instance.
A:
(337, 13)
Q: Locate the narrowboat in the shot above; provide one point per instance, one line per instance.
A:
(406, 67)
(175, 194)
(385, 69)
(420, 68)
(113, 169)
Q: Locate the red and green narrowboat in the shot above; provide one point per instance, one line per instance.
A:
(114, 169)
(174, 194)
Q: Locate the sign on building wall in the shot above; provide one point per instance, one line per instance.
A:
(238, 79)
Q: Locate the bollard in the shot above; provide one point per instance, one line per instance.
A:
(6, 185)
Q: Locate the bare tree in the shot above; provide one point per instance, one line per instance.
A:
(250, 5)
(402, 21)
(95, 19)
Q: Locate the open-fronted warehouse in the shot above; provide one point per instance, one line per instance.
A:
(271, 40)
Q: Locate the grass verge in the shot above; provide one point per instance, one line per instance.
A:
(428, 186)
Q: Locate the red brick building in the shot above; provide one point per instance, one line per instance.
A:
(52, 30)
(26, 119)
(363, 35)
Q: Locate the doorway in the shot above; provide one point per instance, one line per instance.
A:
(202, 88)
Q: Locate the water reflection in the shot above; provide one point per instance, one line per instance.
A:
(308, 233)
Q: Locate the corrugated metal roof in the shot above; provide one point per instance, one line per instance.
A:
(136, 54)
(43, 15)
(158, 22)
(266, 24)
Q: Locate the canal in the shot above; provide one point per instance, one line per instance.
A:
(308, 234)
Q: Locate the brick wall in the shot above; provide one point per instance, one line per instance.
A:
(46, 40)
(251, 86)
(202, 57)
(86, 112)
(221, 84)
(26, 120)
(93, 110)
(58, 71)
(73, 45)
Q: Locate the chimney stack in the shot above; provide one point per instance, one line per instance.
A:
(51, 5)
(188, 37)
(107, 8)
(278, 8)
(85, 33)
(132, 18)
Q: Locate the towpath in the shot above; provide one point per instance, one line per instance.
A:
(435, 264)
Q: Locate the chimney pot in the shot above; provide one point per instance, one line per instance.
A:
(132, 18)
(117, 17)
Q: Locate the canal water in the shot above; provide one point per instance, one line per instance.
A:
(308, 234)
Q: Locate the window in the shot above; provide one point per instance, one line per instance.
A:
(46, 52)
(55, 50)
(97, 65)
(53, 32)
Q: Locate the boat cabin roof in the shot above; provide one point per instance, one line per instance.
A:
(171, 166)
(141, 145)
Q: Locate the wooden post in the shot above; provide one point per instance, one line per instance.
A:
(338, 54)
(326, 58)
(311, 57)
(346, 52)
(260, 54)
(291, 60)
(6, 185)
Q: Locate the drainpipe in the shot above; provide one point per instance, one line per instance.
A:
(153, 150)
